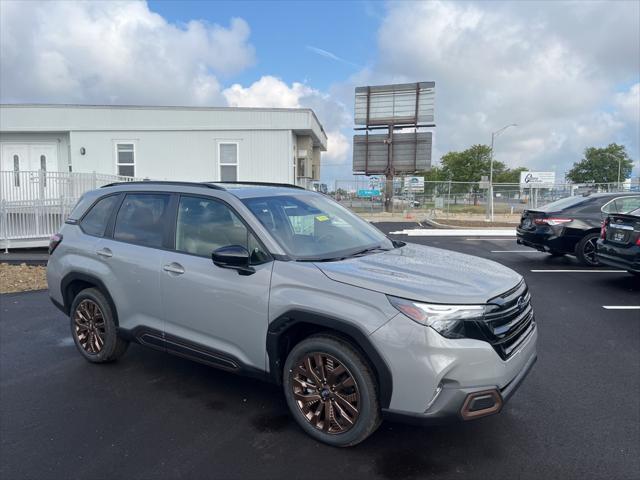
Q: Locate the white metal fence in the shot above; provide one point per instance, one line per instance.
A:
(34, 204)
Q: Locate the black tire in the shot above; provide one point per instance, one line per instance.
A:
(109, 346)
(355, 367)
(586, 250)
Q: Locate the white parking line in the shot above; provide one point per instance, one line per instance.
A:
(434, 232)
(621, 307)
(515, 251)
(578, 271)
(492, 239)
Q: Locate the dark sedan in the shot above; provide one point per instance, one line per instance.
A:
(572, 225)
(619, 243)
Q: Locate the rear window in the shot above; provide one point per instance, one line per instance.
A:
(622, 205)
(563, 204)
(96, 219)
(141, 219)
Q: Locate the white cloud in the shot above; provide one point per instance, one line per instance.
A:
(553, 67)
(628, 103)
(270, 91)
(267, 92)
(114, 52)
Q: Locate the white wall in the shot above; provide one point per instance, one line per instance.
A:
(187, 155)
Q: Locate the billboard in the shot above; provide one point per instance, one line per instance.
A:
(406, 103)
(411, 152)
(537, 179)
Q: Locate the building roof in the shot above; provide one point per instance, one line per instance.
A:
(61, 118)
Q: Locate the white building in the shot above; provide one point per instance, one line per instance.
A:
(164, 143)
(51, 154)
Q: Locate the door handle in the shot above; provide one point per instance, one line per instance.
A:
(105, 252)
(173, 268)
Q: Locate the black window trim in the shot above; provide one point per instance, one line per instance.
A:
(250, 231)
(115, 208)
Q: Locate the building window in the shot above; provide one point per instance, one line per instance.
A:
(125, 159)
(16, 170)
(228, 156)
(43, 167)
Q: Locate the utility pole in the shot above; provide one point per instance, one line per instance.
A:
(619, 166)
(493, 137)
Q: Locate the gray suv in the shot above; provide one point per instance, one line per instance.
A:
(282, 283)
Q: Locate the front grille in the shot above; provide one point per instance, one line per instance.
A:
(509, 320)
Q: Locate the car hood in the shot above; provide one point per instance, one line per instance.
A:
(425, 274)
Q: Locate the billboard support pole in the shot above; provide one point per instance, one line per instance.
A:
(388, 188)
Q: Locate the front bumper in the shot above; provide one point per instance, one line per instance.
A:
(450, 402)
(435, 377)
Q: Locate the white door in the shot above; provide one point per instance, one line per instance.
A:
(20, 164)
(44, 156)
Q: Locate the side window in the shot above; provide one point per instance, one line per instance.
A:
(228, 155)
(141, 219)
(16, 171)
(95, 221)
(204, 225)
(610, 207)
(43, 167)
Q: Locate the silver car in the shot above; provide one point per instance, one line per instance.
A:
(279, 282)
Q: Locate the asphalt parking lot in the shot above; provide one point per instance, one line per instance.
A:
(152, 415)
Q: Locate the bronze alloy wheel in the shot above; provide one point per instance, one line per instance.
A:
(89, 326)
(326, 393)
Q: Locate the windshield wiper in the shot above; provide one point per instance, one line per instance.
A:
(377, 248)
(343, 257)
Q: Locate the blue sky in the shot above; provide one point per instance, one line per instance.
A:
(282, 31)
(567, 72)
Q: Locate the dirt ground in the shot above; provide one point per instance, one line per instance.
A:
(21, 278)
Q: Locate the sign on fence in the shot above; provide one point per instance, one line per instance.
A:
(537, 179)
(414, 184)
(368, 193)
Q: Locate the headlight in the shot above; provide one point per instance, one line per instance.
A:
(447, 320)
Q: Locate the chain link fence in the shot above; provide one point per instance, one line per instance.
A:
(450, 199)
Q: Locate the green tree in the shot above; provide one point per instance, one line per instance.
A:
(510, 175)
(600, 165)
(469, 165)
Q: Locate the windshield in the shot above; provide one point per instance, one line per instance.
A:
(561, 204)
(313, 227)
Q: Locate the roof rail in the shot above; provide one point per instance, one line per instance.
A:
(263, 184)
(165, 182)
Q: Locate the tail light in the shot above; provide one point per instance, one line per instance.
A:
(553, 221)
(54, 241)
(603, 229)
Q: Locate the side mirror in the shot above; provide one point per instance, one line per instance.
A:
(235, 257)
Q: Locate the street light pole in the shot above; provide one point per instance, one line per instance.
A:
(493, 137)
(619, 166)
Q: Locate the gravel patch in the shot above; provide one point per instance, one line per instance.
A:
(22, 278)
